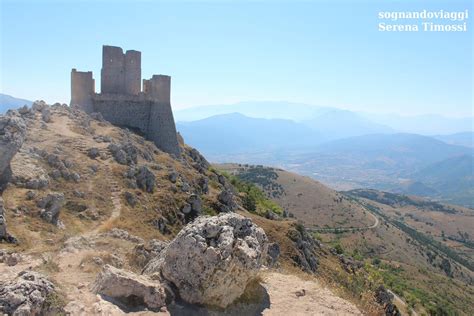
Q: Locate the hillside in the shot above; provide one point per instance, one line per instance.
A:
(450, 180)
(462, 139)
(87, 199)
(308, 200)
(8, 102)
(414, 243)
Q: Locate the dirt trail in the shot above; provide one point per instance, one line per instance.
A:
(71, 276)
(290, 295)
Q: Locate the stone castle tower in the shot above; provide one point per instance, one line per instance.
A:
(122, 101)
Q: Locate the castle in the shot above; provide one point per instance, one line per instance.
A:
(123, 103)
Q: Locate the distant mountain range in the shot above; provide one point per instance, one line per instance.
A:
(334, 119)
(451, 180)
(236, 133)
(398, 162)
(259, 109)
(8, 102)
(462, 139)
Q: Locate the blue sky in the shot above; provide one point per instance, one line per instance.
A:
(326, 53)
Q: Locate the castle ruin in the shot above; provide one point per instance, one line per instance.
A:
(122, 101)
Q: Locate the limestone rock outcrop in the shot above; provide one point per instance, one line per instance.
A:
(3, 222)
(4, 235)
(125, 154)
(213, 259)
(12, 136)
(51, 206)
(143, 253)
(146, 179)
(26, 295)
(306, 247)
(226, 198)
(129, 288)
(201, 164)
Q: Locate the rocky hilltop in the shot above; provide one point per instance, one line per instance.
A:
(95, 220)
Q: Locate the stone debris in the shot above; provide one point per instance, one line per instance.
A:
(201, 164)
(385, 299)
(124, 154)
(125, 235)
(51, 207)
(146, 179)
(226, 198)
(93, 152)
(130, 198)
(143, 253)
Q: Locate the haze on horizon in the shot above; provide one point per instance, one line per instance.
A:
(313, 52)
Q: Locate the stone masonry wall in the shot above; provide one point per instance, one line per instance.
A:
(112, 74)
(125, 112)
(82, 89)
(133, 72)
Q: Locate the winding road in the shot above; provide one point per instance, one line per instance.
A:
(346, 229)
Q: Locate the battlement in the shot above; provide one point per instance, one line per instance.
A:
(121, 100)
(121, 73)
(158, 88)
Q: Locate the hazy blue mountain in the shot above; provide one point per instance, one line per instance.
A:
(452, 179)
(236, 133)
(256, 109)
(8, 102)
(341, 124)
(429, 124)
(462, 139)
(394, 149)
(448, 173)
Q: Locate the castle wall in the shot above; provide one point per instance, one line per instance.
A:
(158, 88)
(113, 72)
(133, 72)
(163, 129)
(82, 90)
(124, 111)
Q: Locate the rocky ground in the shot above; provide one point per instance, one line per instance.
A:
(95, 220)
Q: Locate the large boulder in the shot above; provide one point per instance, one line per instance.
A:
(213, 259)
(130, 289)
(28, 294)
(12, 136)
